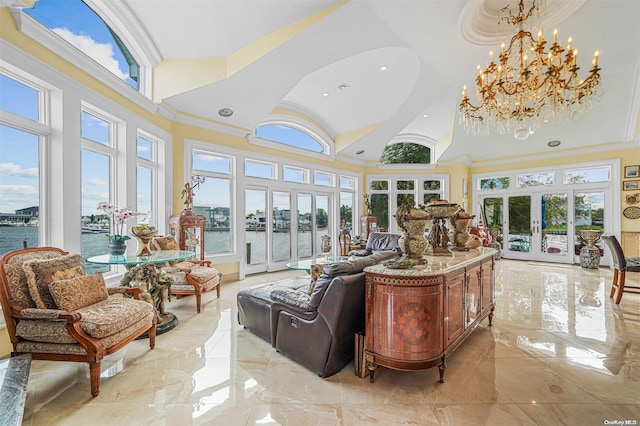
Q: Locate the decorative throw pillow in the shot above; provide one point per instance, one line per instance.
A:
(166, 243)
(78, 292)
(315, 272)
(40, 273)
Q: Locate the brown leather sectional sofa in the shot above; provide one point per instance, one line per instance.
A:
(316, 330)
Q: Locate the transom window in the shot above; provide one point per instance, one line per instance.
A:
(289, 136)
(406, 153)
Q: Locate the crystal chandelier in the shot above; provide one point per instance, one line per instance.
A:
(529, 86)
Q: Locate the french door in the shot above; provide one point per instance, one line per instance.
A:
(282, 225)
(542, 225)
(534, 226)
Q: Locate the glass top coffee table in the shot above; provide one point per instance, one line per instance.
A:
(144, 272)
(305, 265)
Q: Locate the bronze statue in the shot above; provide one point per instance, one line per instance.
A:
(187, 192)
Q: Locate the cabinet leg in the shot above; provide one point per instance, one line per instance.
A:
(372, 369)
(491, 316)
(441, 367)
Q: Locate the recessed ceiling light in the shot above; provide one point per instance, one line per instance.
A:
(425, 115)
(383, 68)
(360, 152)
(325, 94)
(225, 112)
(553, 144)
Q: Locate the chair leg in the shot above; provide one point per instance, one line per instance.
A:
(620, 286)
(218, 291)
(94, 375)
(614, 284)
(198, 301)
(152, 337)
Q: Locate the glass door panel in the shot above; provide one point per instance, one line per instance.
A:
(281, 229)
(519, 218)
(589, 213)
(305, 236)
(322, 220)
(553, 224)
(256, 226)
(493, 212)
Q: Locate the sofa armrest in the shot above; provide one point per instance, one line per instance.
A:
(293, 299)
(47, 314)
(293, 302)
(360, 253)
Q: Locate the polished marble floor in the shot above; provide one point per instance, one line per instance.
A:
(558, 353)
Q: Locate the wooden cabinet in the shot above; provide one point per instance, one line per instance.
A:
(188, 229)
(414, 319)
(368, 224)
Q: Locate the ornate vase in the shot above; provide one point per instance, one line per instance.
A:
(412, 241)
(590, 254)
(325, 246)
(116, 248)
(460, 223)
(144, 234)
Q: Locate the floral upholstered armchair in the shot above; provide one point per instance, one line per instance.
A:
(55, 312)
(189, 277)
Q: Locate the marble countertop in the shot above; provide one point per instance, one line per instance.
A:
(14, 376)
(436, 265)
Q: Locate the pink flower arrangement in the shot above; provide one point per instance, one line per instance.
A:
(118, 216)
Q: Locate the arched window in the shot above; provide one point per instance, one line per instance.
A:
(406, 153)
(81, 27)
(292, 136)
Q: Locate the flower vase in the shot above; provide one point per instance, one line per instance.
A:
(116, 248)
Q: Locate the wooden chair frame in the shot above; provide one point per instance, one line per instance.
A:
(95, 351)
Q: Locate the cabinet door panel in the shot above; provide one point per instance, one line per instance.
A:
(487, 285)
(408, 322)
(472, 296)
(454, 309)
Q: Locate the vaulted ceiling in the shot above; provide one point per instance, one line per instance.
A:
(322, 59)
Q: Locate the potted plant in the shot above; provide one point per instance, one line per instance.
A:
(118, 217)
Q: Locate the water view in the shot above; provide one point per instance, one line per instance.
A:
(16, 237)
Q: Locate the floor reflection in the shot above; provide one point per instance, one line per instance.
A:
(559, 352)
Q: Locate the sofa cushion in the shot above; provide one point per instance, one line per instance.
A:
(40, 273)
(78, 292)
(112, 315)
(16, 278)
(382, 241)
(110, 320)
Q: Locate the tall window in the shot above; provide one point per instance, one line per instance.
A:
(98, 160)
(20, 164)
(213, 199)
(146, 175)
